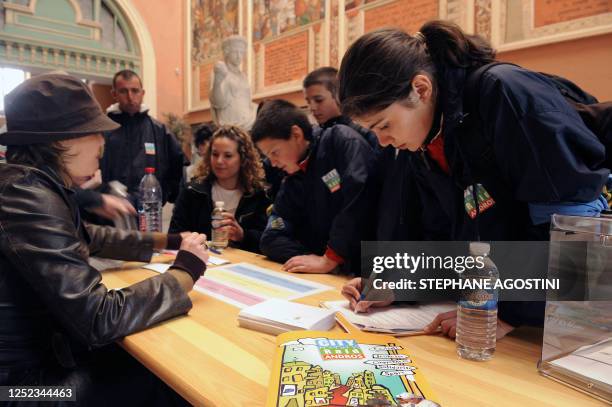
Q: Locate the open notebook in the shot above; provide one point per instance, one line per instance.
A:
(395, 320)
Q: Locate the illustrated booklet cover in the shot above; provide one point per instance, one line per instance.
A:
(314, 368)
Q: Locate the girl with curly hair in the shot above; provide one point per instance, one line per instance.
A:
(230, 171)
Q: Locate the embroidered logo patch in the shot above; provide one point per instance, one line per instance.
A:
(150, 148)
(332, 180)
(484, 200)
(276, 223)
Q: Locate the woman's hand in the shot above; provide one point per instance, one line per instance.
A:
(235, 233)
(447, 321)
(93, 182)
(310, 263)
(352, 292)
(112, 207)
(195, 243)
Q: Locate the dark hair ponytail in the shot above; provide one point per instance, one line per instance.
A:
(449, 46)
(378, 68)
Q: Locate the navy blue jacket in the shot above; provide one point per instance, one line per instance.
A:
(194, 206)
(313, 213)
(125, 156)
(521, 141)
(368, 135)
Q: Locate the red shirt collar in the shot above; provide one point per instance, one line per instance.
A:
(304, 164)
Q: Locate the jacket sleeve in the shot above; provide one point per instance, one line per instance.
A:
(176, 162)
(88, 198)
(41, 242)
(254, 227)
(543, 148)
(113, 243)
(278, 240)
(354, 160)
(183, 213)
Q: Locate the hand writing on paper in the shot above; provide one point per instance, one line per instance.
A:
(447, 321)
(310, 263)
(195, 243)
(352, 292)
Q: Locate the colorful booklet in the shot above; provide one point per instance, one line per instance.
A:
(313, 368)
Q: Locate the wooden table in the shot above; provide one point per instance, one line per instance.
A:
(211, 361)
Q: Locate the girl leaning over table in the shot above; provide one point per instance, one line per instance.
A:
(515, 139)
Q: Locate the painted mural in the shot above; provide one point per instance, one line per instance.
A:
(272, 18)
(211, 22)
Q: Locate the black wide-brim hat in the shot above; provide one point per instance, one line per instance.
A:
(52, 107)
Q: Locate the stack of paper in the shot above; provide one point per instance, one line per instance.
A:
(593, 362)
(395, 320)
(278, 316)
(163, 267)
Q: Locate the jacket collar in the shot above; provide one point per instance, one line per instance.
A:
(336, 120)
(114, 110)
(451, 97)
(50, 172)
(201, 187)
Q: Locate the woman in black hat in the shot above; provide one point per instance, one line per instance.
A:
(57, 319)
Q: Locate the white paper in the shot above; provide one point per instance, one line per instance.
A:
(593, 361)
(157, 267)
(163, 267)
(394, 318)
(289, 314)
(216, 261)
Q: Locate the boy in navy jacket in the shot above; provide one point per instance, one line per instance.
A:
(325, 206)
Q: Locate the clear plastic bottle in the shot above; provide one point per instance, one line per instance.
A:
(477, 310)
(219, 237)
(149, 203)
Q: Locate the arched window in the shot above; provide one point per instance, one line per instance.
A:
(88, 38)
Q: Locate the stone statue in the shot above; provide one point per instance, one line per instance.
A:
(230, 95)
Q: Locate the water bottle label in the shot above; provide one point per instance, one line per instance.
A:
(142, 222)
(479, 299)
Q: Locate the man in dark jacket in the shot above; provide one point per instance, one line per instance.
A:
(140, 142)
(325, 206)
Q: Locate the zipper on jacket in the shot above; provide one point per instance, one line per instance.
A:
(424, 158)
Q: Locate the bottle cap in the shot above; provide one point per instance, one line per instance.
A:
(149, 170)
(480, 248)
(219, 204)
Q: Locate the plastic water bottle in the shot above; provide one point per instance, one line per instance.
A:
(219, 237)
(150, 203)
(477, 310)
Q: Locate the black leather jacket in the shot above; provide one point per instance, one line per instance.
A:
(53, 305)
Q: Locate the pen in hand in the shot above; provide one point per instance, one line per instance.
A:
(364, 293)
